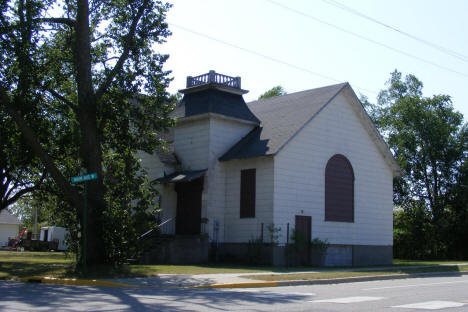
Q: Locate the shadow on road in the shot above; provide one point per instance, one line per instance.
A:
(20, 296)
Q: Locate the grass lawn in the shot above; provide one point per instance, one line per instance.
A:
(55, 264)
(15, 264)
(435, 266)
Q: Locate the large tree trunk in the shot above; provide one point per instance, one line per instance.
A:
(90, 139)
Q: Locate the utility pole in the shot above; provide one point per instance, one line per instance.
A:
(35, 222)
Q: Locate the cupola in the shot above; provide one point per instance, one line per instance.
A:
(214, 93)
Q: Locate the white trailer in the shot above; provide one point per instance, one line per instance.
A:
(54, 234)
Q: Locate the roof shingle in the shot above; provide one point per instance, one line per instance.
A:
(281, 118)
(214, 101)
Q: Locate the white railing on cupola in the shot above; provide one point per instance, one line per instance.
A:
(214, 78)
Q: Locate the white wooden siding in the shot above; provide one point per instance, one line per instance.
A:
(153, 166)
(198, 144)
(191, 142)
(168, 206)
(224, 133)
(168, 197)
(239, 230)
(8, 231)
(299, 171)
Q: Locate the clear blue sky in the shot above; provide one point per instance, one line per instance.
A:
(302, 44)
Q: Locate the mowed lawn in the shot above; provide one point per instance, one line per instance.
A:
(14, 265)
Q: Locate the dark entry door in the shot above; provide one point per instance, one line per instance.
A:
(303, 232)
(189, 195)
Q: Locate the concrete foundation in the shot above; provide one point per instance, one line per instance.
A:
(372, 255)
(180, 249)
(339, 255)
(188, 249)
(336, 255)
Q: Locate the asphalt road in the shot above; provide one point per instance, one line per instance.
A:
(448, 293)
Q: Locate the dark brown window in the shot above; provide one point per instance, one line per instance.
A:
(247, 193)
(339, 190)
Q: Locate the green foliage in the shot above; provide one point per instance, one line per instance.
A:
(274, 233)
(86, 88)
(131, 209)
(320, 245)
(275, 91)
(429, 141)
(20, 171)
(254, 251)
(299, 241)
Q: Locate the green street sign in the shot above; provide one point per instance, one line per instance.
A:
(83, 178)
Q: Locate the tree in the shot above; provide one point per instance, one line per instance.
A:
(458, 199)
(275, 91)
(427, 138)
(84, 75)
(20, 171)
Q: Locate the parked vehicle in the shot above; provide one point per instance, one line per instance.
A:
(54, 234)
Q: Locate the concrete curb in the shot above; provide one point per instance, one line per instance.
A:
(238, 285)
(367, 278)
(72, 281)
(257, 284)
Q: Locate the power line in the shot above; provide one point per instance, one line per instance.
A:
(266, 57)
(426, 42)
(366, 39)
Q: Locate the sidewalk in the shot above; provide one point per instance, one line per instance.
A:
(238, 280)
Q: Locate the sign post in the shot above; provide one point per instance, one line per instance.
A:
(84, 177)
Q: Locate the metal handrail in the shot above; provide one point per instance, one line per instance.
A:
(151, 230)
(164, 222)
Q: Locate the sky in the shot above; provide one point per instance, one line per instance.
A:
(302, 44)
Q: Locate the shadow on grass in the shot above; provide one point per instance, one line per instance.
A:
(11, 270)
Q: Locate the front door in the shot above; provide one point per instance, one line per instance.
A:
(189, 196)
(303, 234)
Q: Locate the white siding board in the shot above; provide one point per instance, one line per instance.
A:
(300, 176)
(168, 206)
(191, 143)
(153, 166)
(198, 144)
(168, 198)
(224, 133)
(241, 230)
(8, 231)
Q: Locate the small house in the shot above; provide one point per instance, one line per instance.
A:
(9, 227)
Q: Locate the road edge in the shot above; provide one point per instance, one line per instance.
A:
(340, 280)
(72, 281)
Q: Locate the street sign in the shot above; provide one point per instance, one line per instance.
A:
(83, 178)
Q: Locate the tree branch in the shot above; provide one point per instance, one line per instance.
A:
(126, 52)
(68, 190)
(63, 99)
(8, 201)
(57, 20)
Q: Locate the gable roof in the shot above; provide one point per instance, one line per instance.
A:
(283, 117)
(8, 218)
(166, 153)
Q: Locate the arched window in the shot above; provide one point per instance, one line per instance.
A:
(339, 190)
